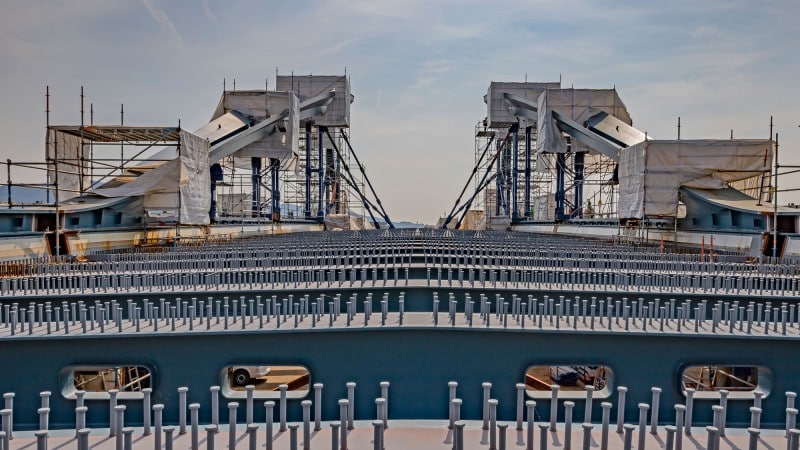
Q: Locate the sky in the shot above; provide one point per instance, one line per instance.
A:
(418, 69)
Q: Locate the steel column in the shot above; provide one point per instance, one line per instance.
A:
(579, 157)
(338, 190)
(321, 175)
(216, 175)
(308, 171)
(274, 167)
(561, 162)
(506, 177)
(514, 173)
(527, 172)
(499, 180)
(255, 168)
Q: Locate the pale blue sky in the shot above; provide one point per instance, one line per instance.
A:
(419, 69)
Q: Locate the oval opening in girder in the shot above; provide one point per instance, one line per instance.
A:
(572, 380)
(266, 380)
(740, 380)
(96, 380)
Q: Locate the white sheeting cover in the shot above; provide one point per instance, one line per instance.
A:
(250, 103)
(578, 105)
(631, 182)
(574, 103)
(195, 180)
(548, 137)
(187, 178)
(652, 172)
(279, 145)
(69, 171)
(309, 86)
(341, 222)
(162, 179)
(544, 207)
(259, 105)
(497, 113)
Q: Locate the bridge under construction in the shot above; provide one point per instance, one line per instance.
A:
(165, 294)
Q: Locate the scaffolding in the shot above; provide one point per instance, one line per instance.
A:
(236, 192)
(587, 176)
(315, 181)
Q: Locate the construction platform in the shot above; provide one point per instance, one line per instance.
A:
(402, 333)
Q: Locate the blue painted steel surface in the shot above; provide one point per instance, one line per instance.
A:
(418, 361)
(515, 174)
(528, 172)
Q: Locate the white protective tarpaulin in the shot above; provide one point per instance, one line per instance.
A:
(184, 183)
(337, 114)
(67, 149)
(163, 179)
(651, 173)
(631, 182)
(341, 222)
(260, 105)
(577, 105)
(283, 146)
(195, 181)
(548, 137)
(544, 207)
(497, 112)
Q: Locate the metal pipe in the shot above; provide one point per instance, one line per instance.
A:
(8, 181)
(55, 185)
(80, 152)
(452, 213)
(351, 181)
(485, 180)
(47, 140)
(775, 200)
(366, 178)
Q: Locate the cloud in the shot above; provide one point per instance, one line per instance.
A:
(718, 65)
(430, 72)
(163, 20)
(210, 15)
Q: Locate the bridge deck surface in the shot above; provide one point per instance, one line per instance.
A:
(403, 435)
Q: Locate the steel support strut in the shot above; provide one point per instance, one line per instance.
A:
(308, 171)
(321, 175)
(274, 167)
(561, 162)
(255, 168)
(527, 172)
(579, 164)
(514, 173)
